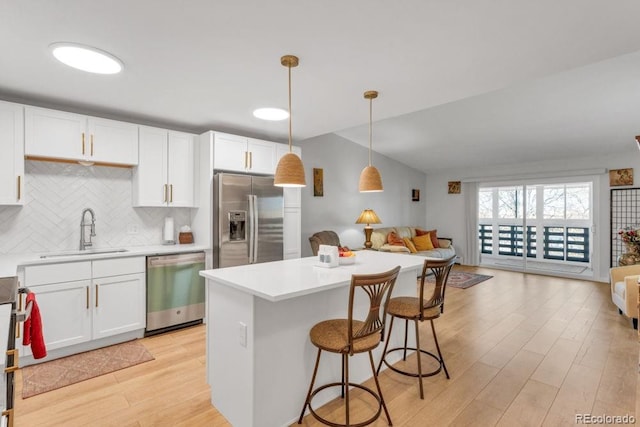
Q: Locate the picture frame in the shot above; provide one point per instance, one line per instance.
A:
(415, 195)
(318, 184)
(454, 187)
(619, 177)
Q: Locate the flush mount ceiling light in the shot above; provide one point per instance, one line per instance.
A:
(370, 179)
(290, 171)
(271, 114)
(86, 58)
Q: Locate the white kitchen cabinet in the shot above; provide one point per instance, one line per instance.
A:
(181, 169)
(261, 156)
(63, 296)
(88, 300)
(66, 315)
(240, 154)
(165, 172)
(52, 134)
(12, 159)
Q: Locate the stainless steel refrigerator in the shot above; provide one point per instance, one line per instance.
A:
(248, 220)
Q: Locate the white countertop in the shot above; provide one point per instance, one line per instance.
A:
(9, 263)
(280, 280)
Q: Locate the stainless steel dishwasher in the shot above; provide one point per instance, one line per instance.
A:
(175, 291)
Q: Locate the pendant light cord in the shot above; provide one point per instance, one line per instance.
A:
(370, 120)
(289, 67)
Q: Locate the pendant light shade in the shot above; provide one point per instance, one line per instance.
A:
(370, 179)
(290, 170)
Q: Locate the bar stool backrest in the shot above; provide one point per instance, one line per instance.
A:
(441, 270)
(378, 288)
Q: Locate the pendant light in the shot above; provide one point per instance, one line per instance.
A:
(370, 179)
(290, 171)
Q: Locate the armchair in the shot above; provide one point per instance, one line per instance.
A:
(323, 238)
(624, 290)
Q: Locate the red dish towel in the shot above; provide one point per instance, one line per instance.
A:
(33, 329)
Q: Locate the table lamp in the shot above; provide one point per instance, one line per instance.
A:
(368, 216)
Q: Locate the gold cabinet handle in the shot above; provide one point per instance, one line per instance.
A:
(91, 145)
(19, 309)
(250, 160)
(165, 193)
(83, 143)
(171, 193)
(96, 294)
(19, 187)
(246, 159)
(87, 288)
(14, 366)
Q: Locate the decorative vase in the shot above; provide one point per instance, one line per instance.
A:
(632, 256)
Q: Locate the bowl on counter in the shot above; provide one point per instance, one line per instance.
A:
(347, 260)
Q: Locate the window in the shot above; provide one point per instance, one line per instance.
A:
(557, 221)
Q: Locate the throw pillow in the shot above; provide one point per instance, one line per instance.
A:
(394, 239)
(423, 243)
(409, 244)
(434, 236)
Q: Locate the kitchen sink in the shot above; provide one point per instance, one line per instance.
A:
(85, 252)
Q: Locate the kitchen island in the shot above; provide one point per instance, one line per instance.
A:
(259, 357)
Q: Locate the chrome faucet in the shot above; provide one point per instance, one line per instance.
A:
(83, 243)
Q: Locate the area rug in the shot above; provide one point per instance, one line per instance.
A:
(47, 376)
(463, 280)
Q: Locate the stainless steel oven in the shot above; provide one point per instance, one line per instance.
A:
(9, 360)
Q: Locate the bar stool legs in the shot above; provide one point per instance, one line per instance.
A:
(345, 385)
(404, 349)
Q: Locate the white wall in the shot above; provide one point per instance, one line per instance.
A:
(56, 194)
(342, 161)
(446, 211)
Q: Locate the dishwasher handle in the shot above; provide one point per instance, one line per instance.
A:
(176, 259)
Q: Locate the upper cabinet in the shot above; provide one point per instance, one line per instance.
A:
(12, 159)
(165, 172)
(241, 154)
(67, 136)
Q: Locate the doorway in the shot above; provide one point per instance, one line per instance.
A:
(541, 227)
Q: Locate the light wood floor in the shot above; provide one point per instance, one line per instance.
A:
(521, 350)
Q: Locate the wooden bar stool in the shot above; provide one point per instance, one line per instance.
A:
(350, 336)
(418, 310)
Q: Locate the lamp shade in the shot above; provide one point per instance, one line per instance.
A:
(289, 172)
(370, 180)
(368, 216)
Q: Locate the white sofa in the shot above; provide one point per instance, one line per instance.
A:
(379, 242)
(624, 290)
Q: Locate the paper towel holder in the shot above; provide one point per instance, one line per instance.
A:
(168, 232)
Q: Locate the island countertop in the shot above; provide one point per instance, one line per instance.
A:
(281, 280)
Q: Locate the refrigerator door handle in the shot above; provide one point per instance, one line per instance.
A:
(255, 227)
(252, 231)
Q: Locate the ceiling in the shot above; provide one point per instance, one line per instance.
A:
(461, 82)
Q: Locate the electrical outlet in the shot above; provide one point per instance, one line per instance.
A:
(242, 334)
(132, 229)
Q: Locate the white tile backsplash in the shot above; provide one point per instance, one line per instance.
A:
(56, 194)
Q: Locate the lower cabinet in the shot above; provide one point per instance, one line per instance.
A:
(66, 318)
(89, 301)
(119, 305)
